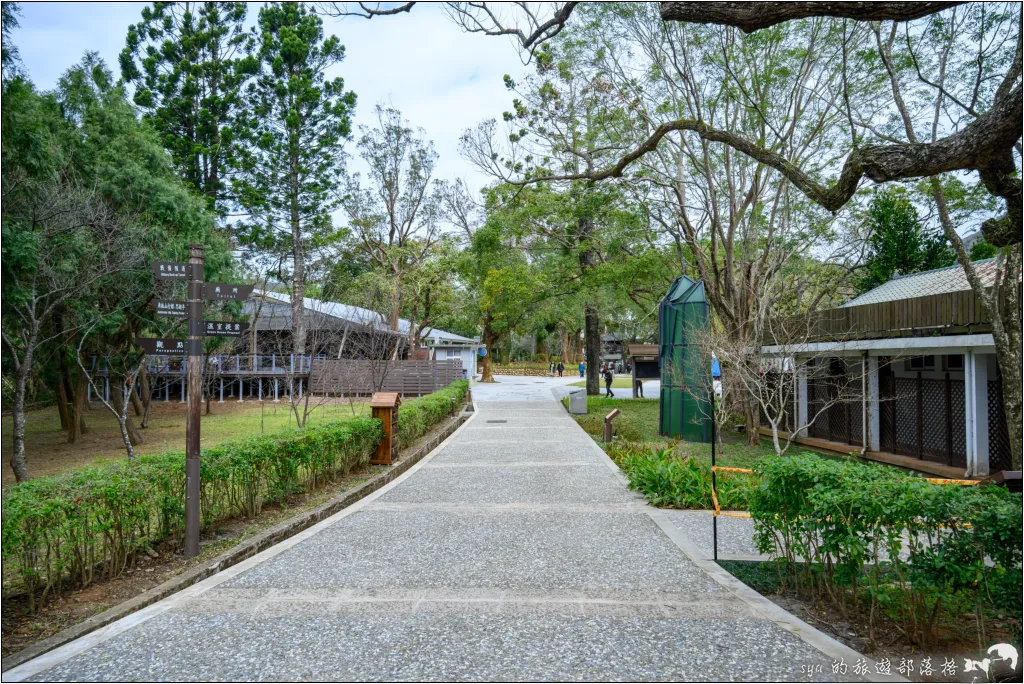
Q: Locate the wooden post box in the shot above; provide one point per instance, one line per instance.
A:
(384, 405)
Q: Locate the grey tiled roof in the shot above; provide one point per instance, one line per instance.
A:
(948, 279)
(360, 316)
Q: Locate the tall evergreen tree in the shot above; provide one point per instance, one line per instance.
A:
(899, 244)
(293, 129)
(189, 62)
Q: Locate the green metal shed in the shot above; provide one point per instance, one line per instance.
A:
(686, 389)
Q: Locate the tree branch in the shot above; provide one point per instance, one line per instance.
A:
(753, 16)
(984, 145)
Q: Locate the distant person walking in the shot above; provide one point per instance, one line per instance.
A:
(640, 388)
(608, 377)
(582, 369)
(561, 367)
(551, 369)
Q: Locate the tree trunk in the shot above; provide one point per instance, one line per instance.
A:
(18, 464)
(567, 357)
(1012, 407)
(78, 427)
(147, 397)
(137, 406)
(751, 422)
(751, 414)
(63, 410)
(490, 343)
(592, 342)
(591, 320)
(128, 429)
(298, 260)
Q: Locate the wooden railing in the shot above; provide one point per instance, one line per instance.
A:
(407, 377)
(224, 364)
(944, 314)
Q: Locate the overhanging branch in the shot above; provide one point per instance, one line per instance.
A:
(753, 16)
(981, 146)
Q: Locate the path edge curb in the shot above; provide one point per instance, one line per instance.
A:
(243, 551)
(760, 604)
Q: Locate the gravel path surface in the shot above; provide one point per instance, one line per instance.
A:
(513, 553)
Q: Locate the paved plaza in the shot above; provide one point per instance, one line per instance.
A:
(513, 552)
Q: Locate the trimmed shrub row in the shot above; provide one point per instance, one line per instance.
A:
(672, 482)
(96, 520)
(416, 416)
(867, 537)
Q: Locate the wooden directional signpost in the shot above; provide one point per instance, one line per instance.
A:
(192, 309)
(169, 307)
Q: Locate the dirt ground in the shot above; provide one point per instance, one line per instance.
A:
(47, 450)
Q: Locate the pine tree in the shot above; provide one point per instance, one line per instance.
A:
(189, 63)
(899, 244)
(290, 158)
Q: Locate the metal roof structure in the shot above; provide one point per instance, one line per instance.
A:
(337, 315)
(938, 281)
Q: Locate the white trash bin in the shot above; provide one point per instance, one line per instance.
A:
(578, 401)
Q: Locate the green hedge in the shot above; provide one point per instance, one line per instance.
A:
(869, 537)
(416, 416)
(98, 518)
(669, 481)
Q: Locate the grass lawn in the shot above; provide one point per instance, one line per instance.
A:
(638, 422)
(619, 382)
(48, 452)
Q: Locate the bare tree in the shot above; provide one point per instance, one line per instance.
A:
(947, 100)
(123, 368)
(376, 342)
(396, 217)
(529, 23)
(770, 381)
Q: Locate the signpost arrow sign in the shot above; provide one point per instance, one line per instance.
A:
(170, 347)
(224, 328)
(170, 270)
(226, 291)
(169, 307)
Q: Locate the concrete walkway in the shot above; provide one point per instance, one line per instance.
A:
(513, 552)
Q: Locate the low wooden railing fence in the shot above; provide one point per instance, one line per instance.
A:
(407, 377)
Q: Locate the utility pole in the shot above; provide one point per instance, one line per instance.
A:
(195, 381)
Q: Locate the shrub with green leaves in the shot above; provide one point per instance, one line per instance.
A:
(97, 519)
(669, 481)
(416, 416)
(870, 536)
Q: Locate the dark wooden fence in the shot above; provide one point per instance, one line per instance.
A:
(947, 313)
(408, 377)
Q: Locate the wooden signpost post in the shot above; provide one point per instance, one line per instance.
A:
(192, 348)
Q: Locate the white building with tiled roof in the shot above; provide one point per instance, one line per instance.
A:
(917, 358)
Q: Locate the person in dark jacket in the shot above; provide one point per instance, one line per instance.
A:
(608, 377)
(561, 367)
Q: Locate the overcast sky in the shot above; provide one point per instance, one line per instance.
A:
(441, 79)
